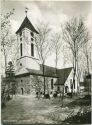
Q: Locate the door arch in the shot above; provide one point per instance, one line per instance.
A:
(22, 91)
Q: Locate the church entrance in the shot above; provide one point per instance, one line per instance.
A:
(66, 89)
(22, 91)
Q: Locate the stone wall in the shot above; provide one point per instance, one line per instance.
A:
(28, 84)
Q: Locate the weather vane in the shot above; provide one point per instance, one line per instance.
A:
(26, 10)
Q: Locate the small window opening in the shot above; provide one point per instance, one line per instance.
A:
(21, 49)
(32, 49)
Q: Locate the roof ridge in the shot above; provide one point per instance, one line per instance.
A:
(56, 68)
(66, 68)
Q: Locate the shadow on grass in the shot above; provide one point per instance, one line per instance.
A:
(85, 101)
(79, 119)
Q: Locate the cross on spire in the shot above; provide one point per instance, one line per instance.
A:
(26, 10)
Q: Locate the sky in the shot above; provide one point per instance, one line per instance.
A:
(53, 12)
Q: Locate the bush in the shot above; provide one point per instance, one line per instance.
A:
(47, 96)
(55, 95)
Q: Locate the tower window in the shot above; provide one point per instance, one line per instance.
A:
(74, 85)
(21, 49)
(32, 34)
(51, 83)
(32, 39)
(32, 49)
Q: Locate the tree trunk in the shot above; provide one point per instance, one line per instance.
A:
(44, 78)
(62, 95)
(74, 75)
(75, 54)
(44, 85)
(78, 75)
(87, 64)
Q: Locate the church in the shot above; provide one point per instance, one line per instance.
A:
(28, 64)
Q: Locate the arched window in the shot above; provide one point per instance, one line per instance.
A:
(51, 83)
(58, 88)
(21, 49)
(32, 49)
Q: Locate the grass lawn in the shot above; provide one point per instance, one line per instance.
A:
(28, 109)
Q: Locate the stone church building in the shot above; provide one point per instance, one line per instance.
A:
(28, 64)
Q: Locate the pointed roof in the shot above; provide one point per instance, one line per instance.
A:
(27, 24)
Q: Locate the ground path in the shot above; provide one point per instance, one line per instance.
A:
(28, 109)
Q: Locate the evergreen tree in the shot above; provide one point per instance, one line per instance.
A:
(10, 78)
(9, 84)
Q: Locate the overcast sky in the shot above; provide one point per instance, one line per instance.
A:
(53, 12)
(56, 13)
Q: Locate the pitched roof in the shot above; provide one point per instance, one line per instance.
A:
(26, 24)
(51, 72)
(62, 74)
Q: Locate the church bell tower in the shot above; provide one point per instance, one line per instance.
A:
(27, 56)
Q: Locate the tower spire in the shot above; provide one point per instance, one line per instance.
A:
(26, 10)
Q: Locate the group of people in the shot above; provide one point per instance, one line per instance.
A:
(48, 95)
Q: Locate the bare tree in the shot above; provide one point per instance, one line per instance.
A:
(37, 84)
(75, 34)
(7, 41)
(87, 53)
(43, 45)
(6, 38)
(47, 81)
(56, 48)
(56, 44)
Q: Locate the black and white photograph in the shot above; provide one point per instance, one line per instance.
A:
(46, 62)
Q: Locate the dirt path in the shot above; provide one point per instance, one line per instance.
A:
(27, 109)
